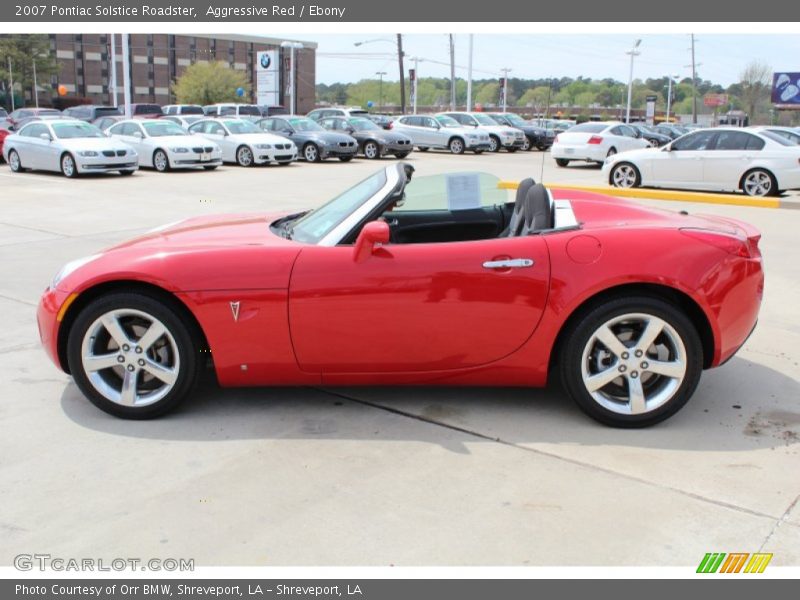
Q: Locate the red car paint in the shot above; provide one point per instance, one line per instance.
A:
(419, 313)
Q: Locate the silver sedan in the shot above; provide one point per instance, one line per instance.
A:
(68, 146)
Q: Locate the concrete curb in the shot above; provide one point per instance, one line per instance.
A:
(671, 195)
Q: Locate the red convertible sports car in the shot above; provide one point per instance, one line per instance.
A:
(428, 281)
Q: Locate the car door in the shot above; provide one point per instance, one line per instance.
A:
(630, 139)
(38, 149)
(214, 131)
(415, 307)
(681, 163)
(432, 132)
(138, 139)
(730, 157)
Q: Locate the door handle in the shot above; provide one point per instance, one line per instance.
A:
(510, 263)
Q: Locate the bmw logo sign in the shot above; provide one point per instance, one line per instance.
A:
(265, 61)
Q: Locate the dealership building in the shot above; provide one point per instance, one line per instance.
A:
(156, 60)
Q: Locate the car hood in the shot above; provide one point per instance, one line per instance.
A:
(499, 129)
(257, 138)
(383, 136)
(97, 144)
(174, 140)
(326, 136)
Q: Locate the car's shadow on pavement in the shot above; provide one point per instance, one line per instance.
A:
(741, 406)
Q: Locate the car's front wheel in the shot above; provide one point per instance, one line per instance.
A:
(494, 143)
(562, 162)
(133, 355)
(456, 146)
(14, 161)
(526, 144)
(244, 156)
(631, 362)
(311, 152)
(372, 151)
(68, 166)
(625, 175)
(160, 161)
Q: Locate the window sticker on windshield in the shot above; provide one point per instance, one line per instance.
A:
(463, 191)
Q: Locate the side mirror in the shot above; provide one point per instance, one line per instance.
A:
(138, 134)
(374, 232)
(46, 137)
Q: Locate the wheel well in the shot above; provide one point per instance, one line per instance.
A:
(455, 137)
(746, 173)
(614, 148)
(102, 289)
(622, 162)
(675, 297)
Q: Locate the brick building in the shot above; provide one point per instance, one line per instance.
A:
(156, 60)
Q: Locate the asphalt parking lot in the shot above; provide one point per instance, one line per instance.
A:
(397, 476)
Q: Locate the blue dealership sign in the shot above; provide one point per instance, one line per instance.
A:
(786, 89)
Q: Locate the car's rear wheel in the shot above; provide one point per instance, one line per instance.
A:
(562, 162)
(14, 161)
(494, 143)
(456, 146)
(372, 151)
(244, 156)
(631, 362)
(160, 161)
(133, 355)
(759, 182)
(625, 175)
(68, 166)
(311, 152)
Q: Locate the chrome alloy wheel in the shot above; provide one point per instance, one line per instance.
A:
(130, 357)
(633, 364)
(758, 183)
(160, 161)
(13, 161)
(68, 165)
(371, 150)
(244, 156)
(624, 176)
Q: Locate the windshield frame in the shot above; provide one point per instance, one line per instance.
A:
(479, 116)
(148, 124)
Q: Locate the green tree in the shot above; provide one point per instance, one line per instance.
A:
(489, 93)
(24, 50)
(208, 83)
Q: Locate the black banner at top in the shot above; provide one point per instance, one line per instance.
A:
(464, 11)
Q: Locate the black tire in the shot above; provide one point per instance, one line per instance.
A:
(511, 150)
(456, 145)
(162, 166)
(185, 337)
(477, 152)
(210, 167)
(527, 144)
(15, 164)
(770, 184)
(578, 335)
(65, 161)
(423, 148)
(562, 162)
(311, 152)
(401, 155)
(242, 154)
(345, 158)
(372, 150)
(629, 169)
(542, 148)
(126, 173)
(494, 142)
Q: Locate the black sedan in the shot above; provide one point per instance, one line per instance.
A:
(668, 129)
(373, 141)
(384, 121)
(535, 137)
(649, 134)
(314, 142)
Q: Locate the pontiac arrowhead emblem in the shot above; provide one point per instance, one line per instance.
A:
(235, 310)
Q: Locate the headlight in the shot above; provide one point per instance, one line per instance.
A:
(264, 146)
(87, 153)
(179, 150)
(70, 267)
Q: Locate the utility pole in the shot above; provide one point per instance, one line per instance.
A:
(633, 53)
(35, 86)
(694, 84)
(11, 83)
(380, 89)
(505, 87)
(452, 74)
(112, 87)
(402, 75)
(669, 93)
(126, 74)
(469, 75)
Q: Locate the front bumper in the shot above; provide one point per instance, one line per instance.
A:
(106, 164)
(515, 142)
(395, 147)
(477, 144)
(186, 160)
(263, 157)
(337, 151)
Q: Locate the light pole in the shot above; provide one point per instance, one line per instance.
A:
(505, 87)
(400, 55)
(633, 52)
(414, 88)
(11, 83)
(670, 78)
(112, 86)
(292, 80)
(380, 89)
(469, 76)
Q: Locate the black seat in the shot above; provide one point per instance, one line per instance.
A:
(517, 221)
(538, 211)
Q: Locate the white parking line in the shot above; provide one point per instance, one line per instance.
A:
(28, 177)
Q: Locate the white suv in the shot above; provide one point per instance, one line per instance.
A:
(427, 131)
(243, 111)
(500, 136)
(337, 111)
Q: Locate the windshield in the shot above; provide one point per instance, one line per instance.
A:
(76, 129)
(484, 119)
(305, 125)
(777, 137)
(227, 110)
(242, 127)
(515, 119)
(362, 124)
(192, 110)
(446, 121)
(314, 226)
(147, 109)
(249, 109)
(589, 127)
(105, 111)
(162, 128)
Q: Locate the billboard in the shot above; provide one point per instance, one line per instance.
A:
(267, 85)
(786, 90)
(715, 100)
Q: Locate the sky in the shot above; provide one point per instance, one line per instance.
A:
(721, 57)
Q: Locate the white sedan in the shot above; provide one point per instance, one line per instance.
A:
(245, 143)
(595, 141)
(759, 163)
(69, 146)
(164, 145)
